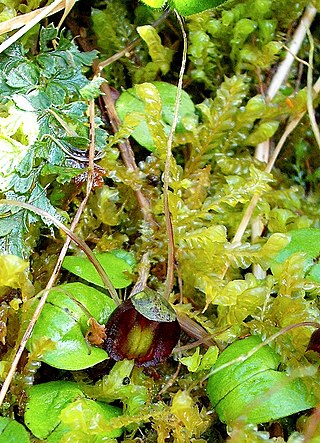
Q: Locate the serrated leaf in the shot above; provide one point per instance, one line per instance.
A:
(92, 89)
(25, 75)
(63, 174)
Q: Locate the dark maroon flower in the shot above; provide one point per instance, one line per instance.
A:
(314, 343)
(146, 339)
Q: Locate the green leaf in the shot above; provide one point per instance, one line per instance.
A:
(118, 269)
(64, 174)
(193, 361)
(189, 7)
(269, 395)
(155, 3)
(186, 7)
(264, 131)
(301, 240)
(53, 397)
(64, 410)
(209, 358)
(12, 432)
(25, 75)
(63, 322)
(91, 418)
(92, 89)
(253, 389)
(129, 102)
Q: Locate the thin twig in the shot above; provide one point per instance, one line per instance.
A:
(44, 12)
(131, 45)
(20, 20)
(255, 198)
(166, 174)
(125, 150)
(311, 112)
(296, 42)
(262, 149)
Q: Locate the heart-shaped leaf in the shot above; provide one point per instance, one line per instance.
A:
(118, 268)
(53, 397)
(64, 323)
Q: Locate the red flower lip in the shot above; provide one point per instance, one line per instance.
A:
(135, 336)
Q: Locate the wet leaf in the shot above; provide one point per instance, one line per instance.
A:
(91, 418)
(129, 102)
(64, 323)
(301, 240)
(253, 390)
(117, 268)
(11, 431)
(64, 410)
(53, 397)
(161, 55)
(153, 306)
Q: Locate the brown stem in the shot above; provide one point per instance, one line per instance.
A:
(125, 150)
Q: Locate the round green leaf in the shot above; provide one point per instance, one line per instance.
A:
(226, 380)
(12, 432)
(301, 240)
(117, 268)
(64, 323)
(305, 241)
(253, 390)
(53, 397)
(129, 103)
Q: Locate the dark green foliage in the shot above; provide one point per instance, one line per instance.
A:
(43, 122)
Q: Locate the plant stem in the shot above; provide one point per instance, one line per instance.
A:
(44, 12)
(166, 174)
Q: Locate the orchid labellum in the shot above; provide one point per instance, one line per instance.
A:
(143, 328)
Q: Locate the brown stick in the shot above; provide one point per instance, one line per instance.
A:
(125, 150)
